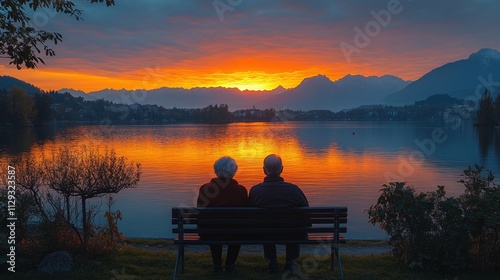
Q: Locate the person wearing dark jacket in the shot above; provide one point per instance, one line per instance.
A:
(274, 192)
(223, 191)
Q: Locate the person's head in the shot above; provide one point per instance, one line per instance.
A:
(225, 167)
(273, 165)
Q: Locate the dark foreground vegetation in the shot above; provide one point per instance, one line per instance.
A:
(450, 234)
(54, 198)
(129, 262)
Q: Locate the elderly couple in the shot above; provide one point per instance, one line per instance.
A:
(274, 192)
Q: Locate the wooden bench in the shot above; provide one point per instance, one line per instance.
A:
(326, 227)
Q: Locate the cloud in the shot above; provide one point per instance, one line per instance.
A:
(181, 36)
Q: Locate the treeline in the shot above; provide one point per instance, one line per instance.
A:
(488, 113)
(431, 109)
(17, 108)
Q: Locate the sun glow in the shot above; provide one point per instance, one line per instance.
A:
(154, 78)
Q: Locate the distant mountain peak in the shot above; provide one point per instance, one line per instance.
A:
(7, 82)
(74, 92)
(278, 90)
(360, 80)
(350, 77)
(318, 79)
(71, 90)
(486, 54)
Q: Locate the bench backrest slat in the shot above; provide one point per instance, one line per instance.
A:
(264, 230)
(250, 221)
(187, 211)
(259, 220)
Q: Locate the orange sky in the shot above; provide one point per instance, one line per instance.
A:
(258, 45)
(288, 75)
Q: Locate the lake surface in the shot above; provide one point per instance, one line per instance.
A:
(335, 163)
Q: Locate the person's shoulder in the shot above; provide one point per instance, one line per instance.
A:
(241, 188)
(259, 185)
(207, 185)
(294, 187)
(235, 183)
(255, 188)
(291, 185)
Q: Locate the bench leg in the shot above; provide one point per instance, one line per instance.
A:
(341, 273)
(176, 268)
(332, 255)
(182, 257)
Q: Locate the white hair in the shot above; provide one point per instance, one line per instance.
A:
(225, 167)
(273, 165)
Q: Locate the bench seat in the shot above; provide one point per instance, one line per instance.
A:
(245, 226)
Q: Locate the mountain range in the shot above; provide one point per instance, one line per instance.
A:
(317, 92)
(460, 79)
(351, 91)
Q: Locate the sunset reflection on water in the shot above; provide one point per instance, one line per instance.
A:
(335, 164)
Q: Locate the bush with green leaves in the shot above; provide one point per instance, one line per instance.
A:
(446, 233)
(481, 203)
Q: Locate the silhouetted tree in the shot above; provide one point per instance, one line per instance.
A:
(28, 195)
(43, 109)
(21, 107)
(486, 112)
(101, 173)
(21, 42)
(61, 174)
(497, 108)
(77, 176)
(216, 114)
(4, 109)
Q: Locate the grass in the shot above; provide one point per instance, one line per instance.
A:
(366, 243)
(135, 263)
(151, 242)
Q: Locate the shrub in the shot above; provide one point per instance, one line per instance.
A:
(481, 202)
(445, 233)
(55, 197)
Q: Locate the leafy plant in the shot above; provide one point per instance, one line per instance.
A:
(446, 233)
(481, 202)
(417, 225)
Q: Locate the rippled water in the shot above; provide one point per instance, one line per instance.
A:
(335, 163)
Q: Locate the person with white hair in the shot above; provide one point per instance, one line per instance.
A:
(274, 192)
(223, 191)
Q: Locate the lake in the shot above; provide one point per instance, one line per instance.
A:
(334, 163)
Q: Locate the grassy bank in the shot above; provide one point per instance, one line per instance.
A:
(131, 262)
